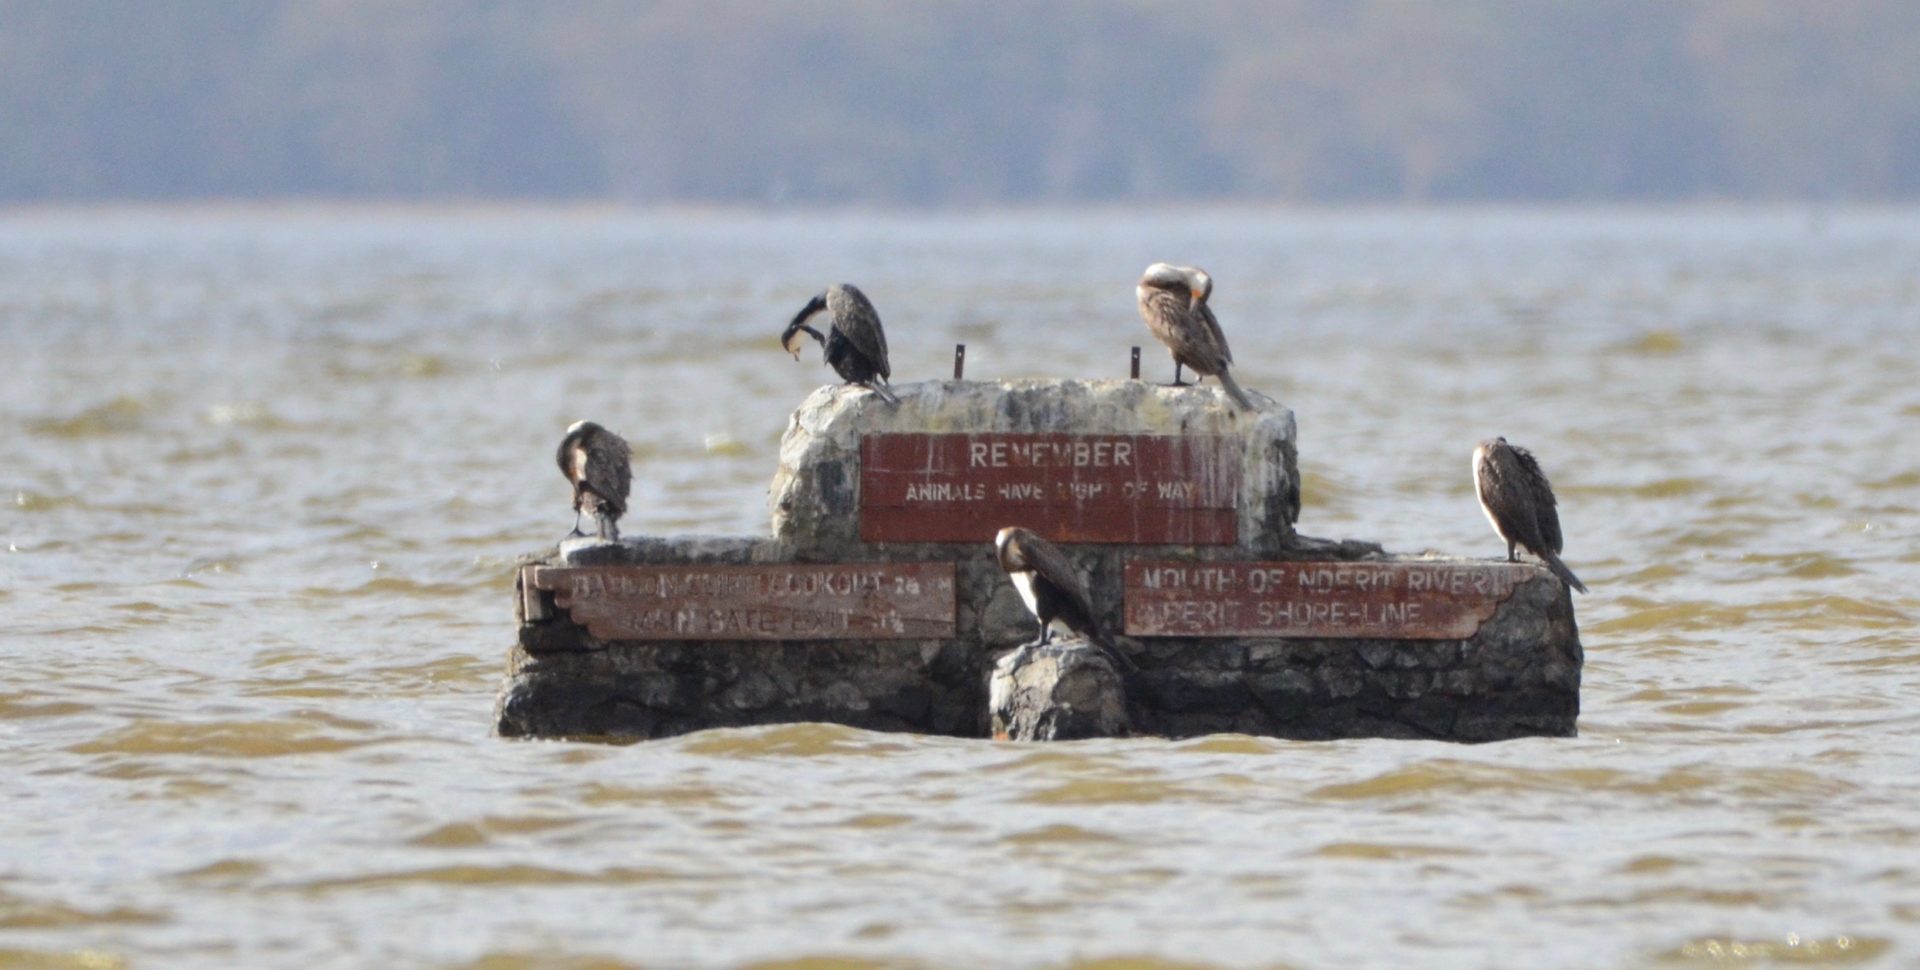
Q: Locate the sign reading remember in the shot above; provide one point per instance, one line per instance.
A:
(1121, 488)
(1381, 600)
(852, 601)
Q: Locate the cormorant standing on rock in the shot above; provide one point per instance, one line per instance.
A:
(1052, 590)
(599, 464)
(1518, 501)
(1173, 302)
(856, 346)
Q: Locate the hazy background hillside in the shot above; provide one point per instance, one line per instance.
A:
(959, 103)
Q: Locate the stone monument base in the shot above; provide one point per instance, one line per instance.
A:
(877, 601)
(1518, 675)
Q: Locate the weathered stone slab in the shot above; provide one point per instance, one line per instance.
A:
(790, 601)
(1140, 489)
(563, 681)
(816, 499)
(1518, 675)
(1381, 600)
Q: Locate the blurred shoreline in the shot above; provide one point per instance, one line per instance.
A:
(353, 208)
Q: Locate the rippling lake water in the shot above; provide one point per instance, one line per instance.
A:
(265, 473)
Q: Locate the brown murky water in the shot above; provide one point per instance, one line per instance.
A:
(263, 475)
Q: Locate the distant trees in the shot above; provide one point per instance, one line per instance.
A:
(958, 102)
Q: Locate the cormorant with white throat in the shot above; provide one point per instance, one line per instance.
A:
(855, 345)
(600, 466)
(1052, 590)
(1516, 498)
(1173, 302)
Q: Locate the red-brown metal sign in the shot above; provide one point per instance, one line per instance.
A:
(850, 601)
(1120, 488)
(1383, 600)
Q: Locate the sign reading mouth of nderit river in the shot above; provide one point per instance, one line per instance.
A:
(1104, 488)
(1395, 600)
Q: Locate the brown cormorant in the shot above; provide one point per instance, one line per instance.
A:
(1514, 494)
(1052, 590)
(855, 345)
(599, 464)
(1173, 302)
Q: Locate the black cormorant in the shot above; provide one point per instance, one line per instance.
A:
(1514, 494)
(855, 345)
(599, 464)
(1052, 590)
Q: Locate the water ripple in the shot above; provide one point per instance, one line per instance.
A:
(271, 475)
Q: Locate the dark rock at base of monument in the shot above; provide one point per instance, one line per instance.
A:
(1066, 690)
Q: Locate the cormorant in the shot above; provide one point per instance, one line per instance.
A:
(1514, 494)
(1173, 302)
(599, 464)
(1052, 590)
(856, 347)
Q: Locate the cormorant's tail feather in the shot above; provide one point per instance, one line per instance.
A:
(1122, 664)
(881, 389)
(1560, 569)
(1233, 390)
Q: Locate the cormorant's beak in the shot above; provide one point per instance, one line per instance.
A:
(1199, 287)
(790, 337)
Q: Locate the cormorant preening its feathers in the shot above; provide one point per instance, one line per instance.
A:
(1173, 302)
(856, 346)
(1518, 501)
(1052, 590)
(599, 464)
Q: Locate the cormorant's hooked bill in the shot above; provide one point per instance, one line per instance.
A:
(600, 466)
(790, 337)
(856, 346)
(1173, 302)
(1052, 590)
(1519, 503)
(1200, 286)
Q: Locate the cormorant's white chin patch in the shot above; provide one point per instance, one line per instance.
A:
(1023, 583)
(1479, 492)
